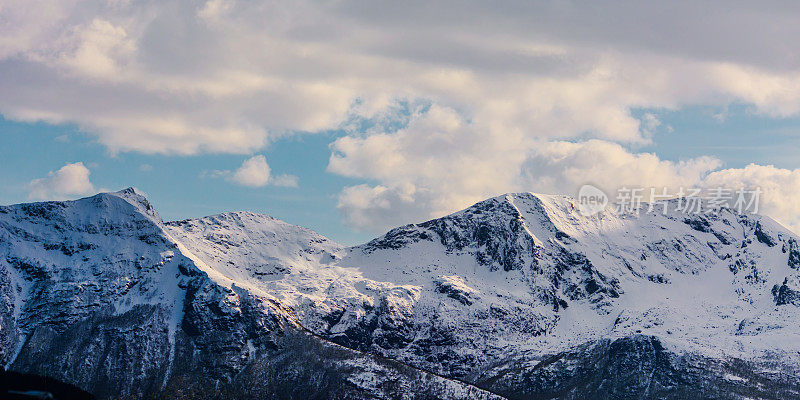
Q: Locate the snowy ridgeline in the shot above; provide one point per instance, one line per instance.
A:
(520, 294)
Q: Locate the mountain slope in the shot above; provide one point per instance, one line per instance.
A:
(526, 273)
(519, 278)
(519, 294)
(97, 293)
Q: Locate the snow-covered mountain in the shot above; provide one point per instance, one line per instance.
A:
(519, 296)
(97, 293)
(514, 283)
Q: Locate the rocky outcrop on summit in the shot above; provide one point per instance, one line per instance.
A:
(493, 229)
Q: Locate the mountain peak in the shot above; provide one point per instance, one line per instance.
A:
(137, 199)
(129, 190)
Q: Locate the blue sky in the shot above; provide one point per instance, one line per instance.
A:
(177, 187)
(739, 138)
(175, 184)
(352, 118)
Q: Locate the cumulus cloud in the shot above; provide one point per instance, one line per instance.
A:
(418, 182)
(524, 96)
(377, 208)
(255, 172)
(230, 76)
(562, 167)
(439, 163)
(284, 180)
(779, 186)
(69, 181)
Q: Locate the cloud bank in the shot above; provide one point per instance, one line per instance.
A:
(230, 76)
(440, 163)
(522, 96)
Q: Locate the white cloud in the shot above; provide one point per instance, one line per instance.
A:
(780, 188)
(562, 167)
(255, 172)
(284, 180)
(377, 208)
(416, 184)
(441, 162)
(97, 50)
(69, 181)
(230, 76)
(517, 91)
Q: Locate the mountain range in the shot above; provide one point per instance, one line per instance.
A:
(520, 296)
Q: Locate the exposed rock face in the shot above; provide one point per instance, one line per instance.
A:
(637, 367)
(493, 228)
(787, 292)
(519, 295)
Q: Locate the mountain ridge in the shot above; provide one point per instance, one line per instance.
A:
(134, 314)
(511, 281)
